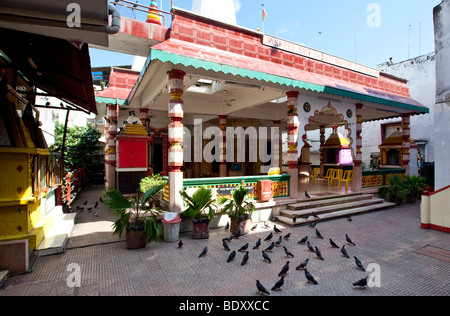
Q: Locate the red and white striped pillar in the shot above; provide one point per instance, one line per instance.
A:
(176, 89)
(276, 148)
(292, 155)
(223, 144)
(357, 169)
(406, 143)
(110, 146)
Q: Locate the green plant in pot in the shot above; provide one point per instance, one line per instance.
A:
(138, 217)
(200, 209)
(238, 209)
(396, 190)
(415, 186)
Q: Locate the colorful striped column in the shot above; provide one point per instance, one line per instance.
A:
(292, 154)
(223, 144)
(110, 146)
(176, 89)
(406, 142)
(357, 169)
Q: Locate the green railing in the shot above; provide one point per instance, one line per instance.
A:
(224, 186)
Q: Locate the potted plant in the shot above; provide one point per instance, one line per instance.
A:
(154, 180)
(415, 186)
(396, 190)
(136, 216)
(238, 209)
(200, 209)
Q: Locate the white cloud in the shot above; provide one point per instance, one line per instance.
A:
(237, 5)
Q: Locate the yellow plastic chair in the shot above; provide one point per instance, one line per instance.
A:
(329, 175)
(336, 176)
(348, 176)
(314, 174)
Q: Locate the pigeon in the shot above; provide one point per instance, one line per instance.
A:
(310, 247)
(231, 256)
(261, 288)
(349, 240)
(269, 236)
(294, 219)
(361, 283)
(227, 226)
(288, 253)
(77, 207)
(180, 244)
(258, 243)
(359, 264)
(270, 247)
(275, 228)
(307, 195)
(313, 224)
(85, 202)
(227, 238)
(315, 215)
(243, 248)
(309, 277)
(285, 269)
(89, 209)
(238, 234)
(81, 209)
(244, 259)
(266, 256)
(265, 225)
(287, 236)
(225, 245)
(204, 251)
(278, 242)
(96, 204)
(101, 200)
(279, 284)
(319, 254)
(319, 234)
(303, 240)
(302, 265)
(96, 214)
(254, 227)
(344, 252)
(333, 244)
(349, 218)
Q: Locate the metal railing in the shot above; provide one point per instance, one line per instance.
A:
(134, 6)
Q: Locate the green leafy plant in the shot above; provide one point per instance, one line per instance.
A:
(237, 206)
(415, 185)
(200, 205)
(148, 182)
(135, 214)
(396, 190)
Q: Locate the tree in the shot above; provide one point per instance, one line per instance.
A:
(81, 142)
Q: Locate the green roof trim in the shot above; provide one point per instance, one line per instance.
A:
(187, 61)
(110, 100)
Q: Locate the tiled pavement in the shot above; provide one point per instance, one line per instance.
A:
(391, 238)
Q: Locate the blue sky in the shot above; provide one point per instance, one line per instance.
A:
(365, 31)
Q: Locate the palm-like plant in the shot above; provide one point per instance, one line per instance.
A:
(396, 189)
(200, 205)
(415, 184)
(237, 206)
(135, 214)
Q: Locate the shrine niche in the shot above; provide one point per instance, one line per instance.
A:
(336, 151)
(391, 151)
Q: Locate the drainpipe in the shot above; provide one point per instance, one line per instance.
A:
(115, 20)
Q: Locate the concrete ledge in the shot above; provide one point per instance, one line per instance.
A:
(14, 256)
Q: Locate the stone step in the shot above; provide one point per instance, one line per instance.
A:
(330, 208)
(337, 214)
(324, 201)
(3, 275)
(55, 240)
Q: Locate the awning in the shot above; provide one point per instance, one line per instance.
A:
(192, 55)
(53, 65)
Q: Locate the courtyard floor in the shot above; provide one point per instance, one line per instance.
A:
(408, 260)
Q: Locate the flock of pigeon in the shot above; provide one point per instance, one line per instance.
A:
(89, 208)
(273, 244)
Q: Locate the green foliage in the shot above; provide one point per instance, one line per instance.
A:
(415, 184)
(148, 182)
(80, 144)
(135, 214)
(237, 206)
(396, 189)
(200, 204)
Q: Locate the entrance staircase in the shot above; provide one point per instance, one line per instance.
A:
(319, 208)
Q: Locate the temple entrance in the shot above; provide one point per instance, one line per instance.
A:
(327, 146)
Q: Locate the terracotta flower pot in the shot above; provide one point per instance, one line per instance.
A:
(243, 223)
(135, 240)
(200, 228)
